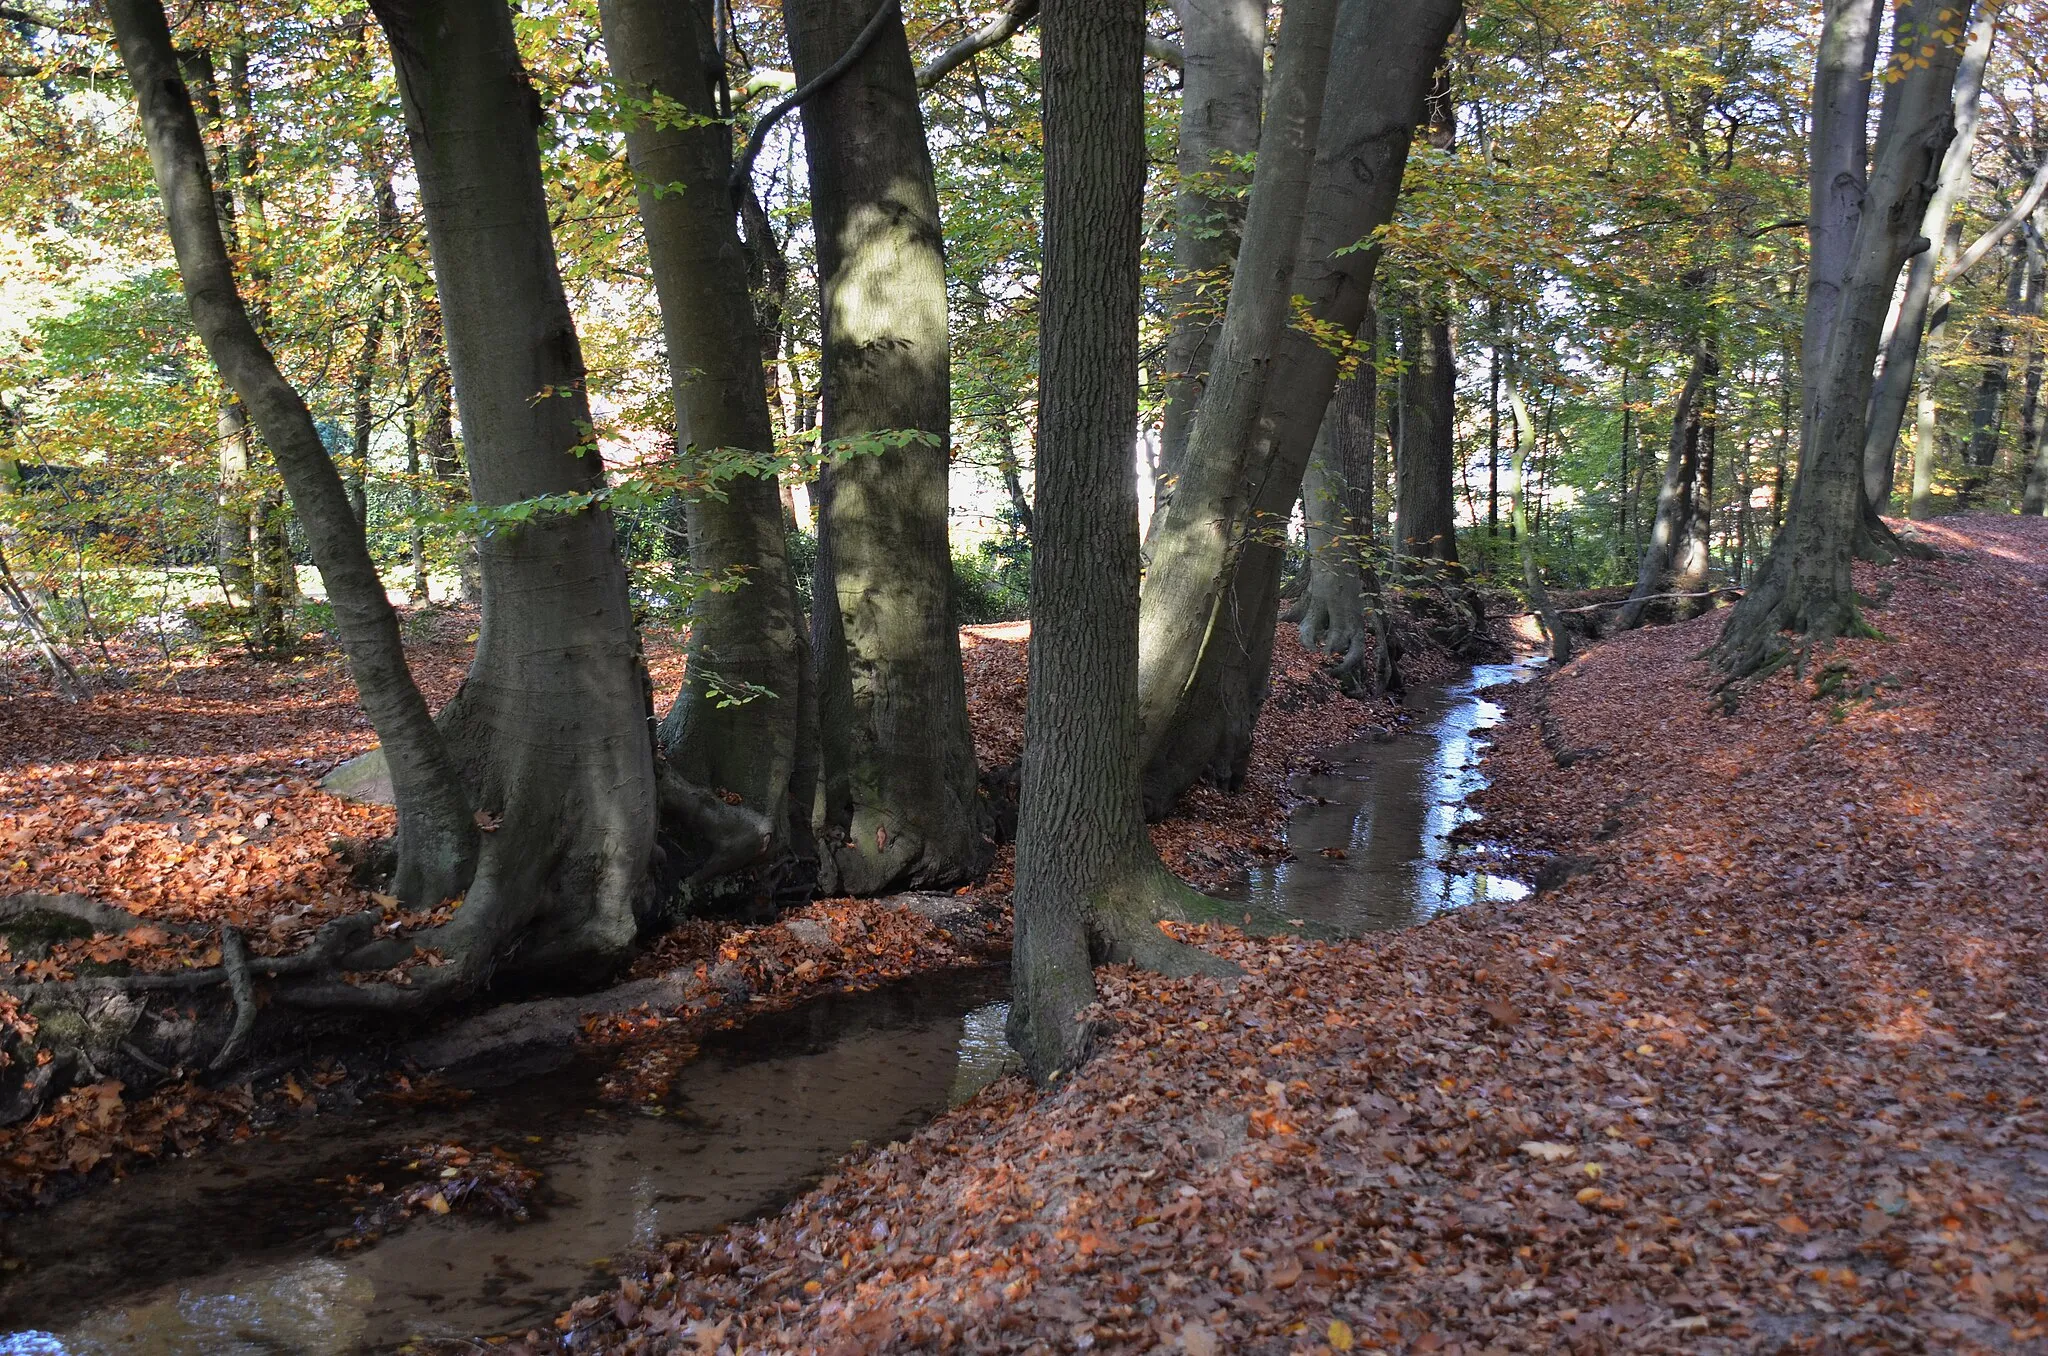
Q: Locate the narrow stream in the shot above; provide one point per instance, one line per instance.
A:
(1373, 848)
(235, 1251)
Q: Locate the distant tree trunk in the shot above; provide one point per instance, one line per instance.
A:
(1839, 158)
(1089, 886)
(1805, 586)
(233, 524)
(746, 719)
(1695, 559)
(1532, 574)
(1672, 524)
(553, 722)
(2033, 418)
(362, 385)
(1909, 318)
(415, 499)
(437, 839)
(1223, 76)
(1342, 614)
(1194, 546)
(1988, 410)
(437, 435)
(1383, 57)
(899, 799)
(1425, 506)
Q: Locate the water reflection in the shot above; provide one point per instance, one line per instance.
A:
(1389, 809)
(228, 1253)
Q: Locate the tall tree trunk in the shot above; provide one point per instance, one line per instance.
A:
(1674, 496)
(1195, 545)
(1805, 586)
(1532, 574)
(1425, 507)
(1909, 317)
(1695, 559)
(746, 634)
(1838, 167)
(2033, 418)
(437, 839)
(1089, 885)
(1987, 411)
(1383, 57)
(437, 434)
(553, 721)
(899, 797)
(1223, 76)
(233, 521)
(1342, 614)
(362, 386)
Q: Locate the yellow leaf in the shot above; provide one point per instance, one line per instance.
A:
(1589, 1196)
(1340, 1334)
(436, 1203)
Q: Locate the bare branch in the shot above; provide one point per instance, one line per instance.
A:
(1986, 242)
(825, 77)
(994, 34)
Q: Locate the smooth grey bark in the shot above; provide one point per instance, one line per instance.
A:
(1838, 167)
(1193, 545)
(1342, 614)
(1382, 60)
(1425, 506)
(1222, 89)
(1525, 540)
(437, 839)
(899, 802)
(1671, 525)
(1696, 556)
(746, 634)
(553, 723)
(1908, 322)
(1089, 886)
(2033, 417)
(1920, 499)
(1805, 586)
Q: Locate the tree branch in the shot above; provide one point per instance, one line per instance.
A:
(2021, 210)
(994, 34)
(860, 44)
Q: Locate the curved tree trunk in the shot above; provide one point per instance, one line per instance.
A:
(437, 840)
(1806, 586)
(552, 723)
(1673, 520)
(739, 724)
(1383, 57)
(1223, 79)
(1089, 885)
(1909, 318)
(899, 801)
(1194, 545)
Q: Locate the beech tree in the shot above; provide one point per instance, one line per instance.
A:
(1805, 587)
(899, 795)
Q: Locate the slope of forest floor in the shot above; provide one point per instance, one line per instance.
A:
(1767, 1073)
(190, 794)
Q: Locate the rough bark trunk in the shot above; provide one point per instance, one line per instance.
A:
(1673, 518)
(553, 721)
(1222, 86)
(1342, 613)
(362, 386)
(1909, 318)
(1383, 57)
(1806, 586)
(1987, 411)
(746, 634)
(1425, 506)
(437, 840)
(1195, 543)
(1839, 157)
(899, 802)
(2033, 418)
(1089, 886)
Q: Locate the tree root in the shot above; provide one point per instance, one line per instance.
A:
(235, 960)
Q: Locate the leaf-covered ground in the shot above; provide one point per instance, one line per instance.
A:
(191, 795)
(1767, 1074)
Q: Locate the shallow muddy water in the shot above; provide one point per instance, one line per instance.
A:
(1373, 847)
(233, 1251)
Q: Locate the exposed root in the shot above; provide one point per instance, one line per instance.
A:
(234, 958)
(724, 837)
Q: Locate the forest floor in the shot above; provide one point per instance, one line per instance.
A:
(1766, 1074)
(189, 793)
